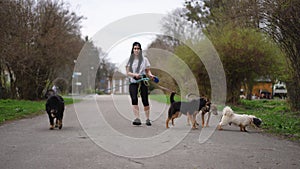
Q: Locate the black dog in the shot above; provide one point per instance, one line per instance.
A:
(190, 109)
(55, 107)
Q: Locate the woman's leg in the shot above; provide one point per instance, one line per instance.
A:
(145, 100)
(147, 111)
(136, 111)
(144, 94)
(133, 91)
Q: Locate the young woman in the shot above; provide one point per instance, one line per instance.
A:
(137, 68)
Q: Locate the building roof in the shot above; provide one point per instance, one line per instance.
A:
(262, 79)
(119, 75)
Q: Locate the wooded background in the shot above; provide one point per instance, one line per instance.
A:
(40, 41)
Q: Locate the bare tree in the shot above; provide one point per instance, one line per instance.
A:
(178, 29)
(283, 24)
(40, 41)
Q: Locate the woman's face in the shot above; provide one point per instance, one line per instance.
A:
(136, 50)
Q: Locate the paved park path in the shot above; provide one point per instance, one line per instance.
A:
(83, 143)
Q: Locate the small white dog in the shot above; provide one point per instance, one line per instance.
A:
(241, 120)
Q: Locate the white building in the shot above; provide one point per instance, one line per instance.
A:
(118, 84)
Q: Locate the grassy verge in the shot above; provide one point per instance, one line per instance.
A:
(164, 98)
(17, 109)
(276, 115)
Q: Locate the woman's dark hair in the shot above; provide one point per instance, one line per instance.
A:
(130, 62)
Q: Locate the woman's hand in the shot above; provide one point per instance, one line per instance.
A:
(136, 76)
(151, 76)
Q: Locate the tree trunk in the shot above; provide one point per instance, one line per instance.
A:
(233, 89)
(249, 90)
(13, 89)
(293, 88)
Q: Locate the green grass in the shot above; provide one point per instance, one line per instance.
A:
(17, 109)
(164, 98)
(276, 116)
(70, 100)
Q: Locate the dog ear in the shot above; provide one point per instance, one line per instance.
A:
(49, 92)
(228, 112)
(257, 121)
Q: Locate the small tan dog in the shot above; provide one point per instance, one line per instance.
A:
(240, 120)
(213, 109)
(210, 108)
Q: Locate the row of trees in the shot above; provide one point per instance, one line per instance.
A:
(39, 41)
(254, 39)
(279, 19)
(94, 67)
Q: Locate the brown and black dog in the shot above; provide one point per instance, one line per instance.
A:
(55, 109)
(190, 109)
(210, 108)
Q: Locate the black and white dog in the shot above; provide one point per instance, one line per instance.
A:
(55, 108)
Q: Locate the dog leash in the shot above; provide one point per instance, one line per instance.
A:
(144, 80)
(164, 88)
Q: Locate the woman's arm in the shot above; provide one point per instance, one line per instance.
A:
(131, 74)
(148, 72)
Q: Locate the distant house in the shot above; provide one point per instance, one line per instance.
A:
(265, 89)
(117, 84)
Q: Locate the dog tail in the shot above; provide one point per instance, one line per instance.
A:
(172, 97)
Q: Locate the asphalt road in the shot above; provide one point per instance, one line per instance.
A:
(97, 133)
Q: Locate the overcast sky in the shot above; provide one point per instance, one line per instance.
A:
(100, 13)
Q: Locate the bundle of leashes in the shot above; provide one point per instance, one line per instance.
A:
(143, 79)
